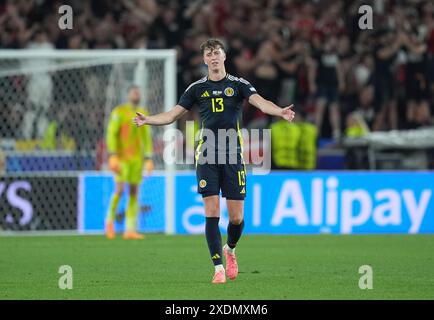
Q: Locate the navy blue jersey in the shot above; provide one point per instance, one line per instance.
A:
(220, 105)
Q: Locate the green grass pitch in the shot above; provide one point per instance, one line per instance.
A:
(178, 267)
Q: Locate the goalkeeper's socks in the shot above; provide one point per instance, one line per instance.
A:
(214, 239)
(234, 233)
(132, 211)
(111, 214)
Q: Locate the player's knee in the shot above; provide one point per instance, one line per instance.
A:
(236, 220)
(212, 212)
(119, 188)
(133, 190)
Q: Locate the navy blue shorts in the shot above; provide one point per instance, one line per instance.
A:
(229, 178)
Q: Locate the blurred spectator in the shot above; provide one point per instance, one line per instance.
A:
(39, 88)
(330, 84)
(361, 120)
(311, 53)
(418, 111)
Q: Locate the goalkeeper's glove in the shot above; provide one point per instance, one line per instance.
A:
(114, 163)
(149, 166)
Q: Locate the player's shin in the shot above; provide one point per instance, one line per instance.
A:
(213, 238)
(111, 213)
(234, 233)
(131, 214)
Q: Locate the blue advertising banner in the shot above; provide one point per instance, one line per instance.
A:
(321, 202)
(95, 191)
(34, 163)
(280, 203)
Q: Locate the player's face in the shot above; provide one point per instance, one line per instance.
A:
(134, 96)
(214, 58)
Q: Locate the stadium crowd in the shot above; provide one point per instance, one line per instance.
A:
(342, 79)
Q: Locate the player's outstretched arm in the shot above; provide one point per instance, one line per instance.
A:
(270, 108)
(160, 119)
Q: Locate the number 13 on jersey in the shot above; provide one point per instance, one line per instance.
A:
(217, 104)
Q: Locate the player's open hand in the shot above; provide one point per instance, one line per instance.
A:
(114, 164)
(288, 114)
(140, 119)
(149, 166)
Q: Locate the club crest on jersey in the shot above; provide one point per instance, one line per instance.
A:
(229, 92)
(202, 183)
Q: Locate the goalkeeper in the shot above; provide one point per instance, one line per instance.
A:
(129, 148)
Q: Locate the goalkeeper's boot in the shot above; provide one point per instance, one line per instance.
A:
(231, 262)
(128, 235)
(110, 230)
(219, 277)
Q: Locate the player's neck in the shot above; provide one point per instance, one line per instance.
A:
(216, 75)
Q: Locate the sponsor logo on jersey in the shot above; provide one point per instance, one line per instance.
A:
(205, 94)
(217, 93)
(229, 92)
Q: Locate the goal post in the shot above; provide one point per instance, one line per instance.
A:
(56, 103)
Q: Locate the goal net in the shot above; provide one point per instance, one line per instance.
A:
(54, 110)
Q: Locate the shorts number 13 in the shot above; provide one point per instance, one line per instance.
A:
(241, 178)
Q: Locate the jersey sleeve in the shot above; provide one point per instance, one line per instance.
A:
(188, 98)
(112, 131)
(246, 88)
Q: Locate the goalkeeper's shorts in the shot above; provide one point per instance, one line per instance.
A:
(130, 172)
